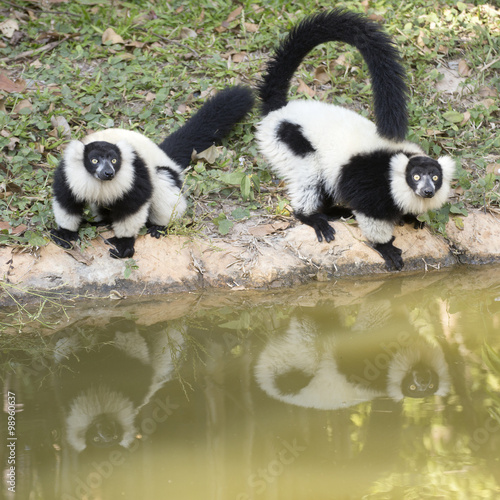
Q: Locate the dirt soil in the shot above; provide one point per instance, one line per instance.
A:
(260, 253)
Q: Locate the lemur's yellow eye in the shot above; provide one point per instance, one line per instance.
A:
(416, 177)
(113, 161)
(94, 161)
(413, 386)
(435, 178)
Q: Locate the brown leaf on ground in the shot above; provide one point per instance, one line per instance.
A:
(9, 27)
(60, 123)
(209, 155)
(8, 85)
(463, 68)
(25, 103)
(79, 256)
(4, 225)
(240, 57)
(232, 17)
(187, 33)
(234, 14)
(110, 35)
(321, 75)
(466, 118)
(251, 27)
(487, 91)
(303, 88)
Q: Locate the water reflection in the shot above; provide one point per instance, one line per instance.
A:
(365, 388)
(321, 363)
(104, 380)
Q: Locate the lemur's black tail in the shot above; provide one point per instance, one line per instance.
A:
(209, 124)
(376, 47)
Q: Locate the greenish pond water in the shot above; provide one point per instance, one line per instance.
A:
(381, 388)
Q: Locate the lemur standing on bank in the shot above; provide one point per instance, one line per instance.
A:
(332, 157)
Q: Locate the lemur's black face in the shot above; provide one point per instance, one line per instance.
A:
(420, 381)
(102, 160)
(424, 176)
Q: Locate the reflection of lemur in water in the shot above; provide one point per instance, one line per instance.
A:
(307, 368)
(102, 386)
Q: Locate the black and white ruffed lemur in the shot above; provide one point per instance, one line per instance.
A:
(129, 181)
(334, 159)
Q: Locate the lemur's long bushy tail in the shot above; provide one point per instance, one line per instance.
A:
(209, 124)
(376, 47)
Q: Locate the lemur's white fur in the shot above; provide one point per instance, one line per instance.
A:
(92, 403)
(337, 134)
(166, 201)
(64, 219)
(302, 348)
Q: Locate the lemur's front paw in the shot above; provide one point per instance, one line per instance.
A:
(391, 255)
(63, 237)
(156, 231)
(412, 219)
(123, 248)
(319, 222)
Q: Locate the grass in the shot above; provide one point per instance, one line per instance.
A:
(65, 81)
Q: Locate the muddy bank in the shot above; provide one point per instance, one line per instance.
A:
(243, 259)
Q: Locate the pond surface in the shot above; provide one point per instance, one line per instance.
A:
(382, 388)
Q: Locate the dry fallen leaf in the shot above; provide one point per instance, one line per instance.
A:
(59, 122)
(251, 27)
(79, 256)
(136, 44)
(463, 68)
(487, 91)
(13, 230)
(150, 96)
(466, 118)
(305, 89)
(8, 27)
(25, 103)
(8, 85)
(209, 155)
(187, 33)
(321, 75)
(487, 103)
(234, 14)
(240, 57)
(111, 36)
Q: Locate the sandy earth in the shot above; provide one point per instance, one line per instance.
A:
(257, 254)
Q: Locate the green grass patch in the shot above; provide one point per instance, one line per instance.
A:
(162, 59)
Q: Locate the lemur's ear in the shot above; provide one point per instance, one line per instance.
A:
(448, 167)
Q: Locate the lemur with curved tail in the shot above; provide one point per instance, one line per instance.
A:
(129, 181)
(331, 156)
